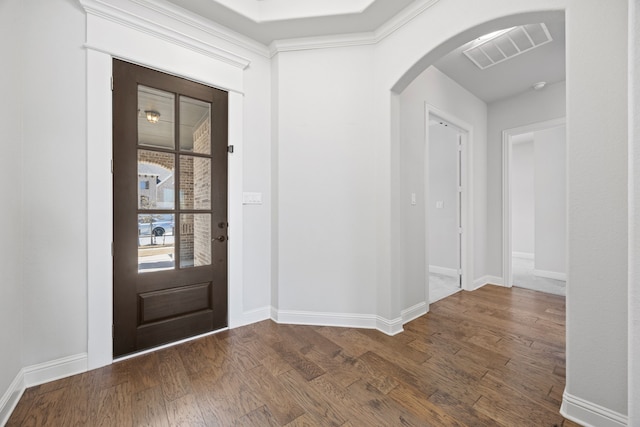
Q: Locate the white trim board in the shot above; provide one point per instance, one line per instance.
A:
(507, 245)
(350, 320)
(356, 39)
(550, 275)
(451, 272)
(178, 23)
(467, 132)
(346, 320)
(523, 255)
(188, 29)
(110, 38)
(590, 414)
(10, 399)
(414, 312)
(39, 374)
(487, 280)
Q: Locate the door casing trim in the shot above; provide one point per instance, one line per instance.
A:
(100, 193)
(466, 260)
(507, 273)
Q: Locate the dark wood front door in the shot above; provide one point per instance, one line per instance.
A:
(169, 208)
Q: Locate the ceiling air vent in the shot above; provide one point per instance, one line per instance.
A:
(497, 47)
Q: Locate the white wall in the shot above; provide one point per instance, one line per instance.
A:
(54, 182)
(436, 89)
(11, 284)
(257, 178)
(550, 200)
(443, 186)
(634, 213)
(523, 221)
(326, 182)
(527, 108)
(597, 204)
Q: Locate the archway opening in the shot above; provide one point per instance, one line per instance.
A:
(484, 243)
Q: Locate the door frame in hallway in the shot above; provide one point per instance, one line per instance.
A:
(466, 201)
(507, 238)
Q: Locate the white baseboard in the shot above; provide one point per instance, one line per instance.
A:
(589, 414)
(39, 374)
(346, 320)
(253, 316)
(55, 369)
(451, 272)
(10, 398)
(389, 327)
(550, 274)
(414, 312)
(487, 280)
(523, 255)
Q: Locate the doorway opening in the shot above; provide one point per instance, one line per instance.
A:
(446, 195)
(535, 206)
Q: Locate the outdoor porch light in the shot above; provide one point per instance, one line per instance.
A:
(152, 116)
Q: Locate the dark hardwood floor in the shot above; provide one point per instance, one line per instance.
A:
(493, 357)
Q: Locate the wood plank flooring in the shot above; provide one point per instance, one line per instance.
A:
(492, 357)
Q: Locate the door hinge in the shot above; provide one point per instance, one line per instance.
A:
(113, 330)
(230, 148)
(111, 165)
(111, 248)
(112, 83)
(459, 230)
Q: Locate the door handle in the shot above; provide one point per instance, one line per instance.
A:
(220, 238)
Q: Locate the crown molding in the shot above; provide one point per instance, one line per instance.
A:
(321, 42)
(206, 25)
(176, 25)
(172, 23)
(356, 39)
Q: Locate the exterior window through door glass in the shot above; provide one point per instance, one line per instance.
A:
(156, 226)
(155, 180)
(156, 214)
(156, 248)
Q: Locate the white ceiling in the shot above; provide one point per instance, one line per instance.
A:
(270, 20)
(513, 76)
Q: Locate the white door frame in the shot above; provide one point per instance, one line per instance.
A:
(113, 33)
(466, 251)
(507, 244)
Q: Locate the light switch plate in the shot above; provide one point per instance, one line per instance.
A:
(251, 198)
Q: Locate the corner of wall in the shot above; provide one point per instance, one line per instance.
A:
(11, 397)
(589, 414)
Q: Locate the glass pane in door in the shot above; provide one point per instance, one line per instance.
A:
(195, 182)
(156, 246)
(195, 125)
(156, 118)
(195, 240)
(155, 180)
